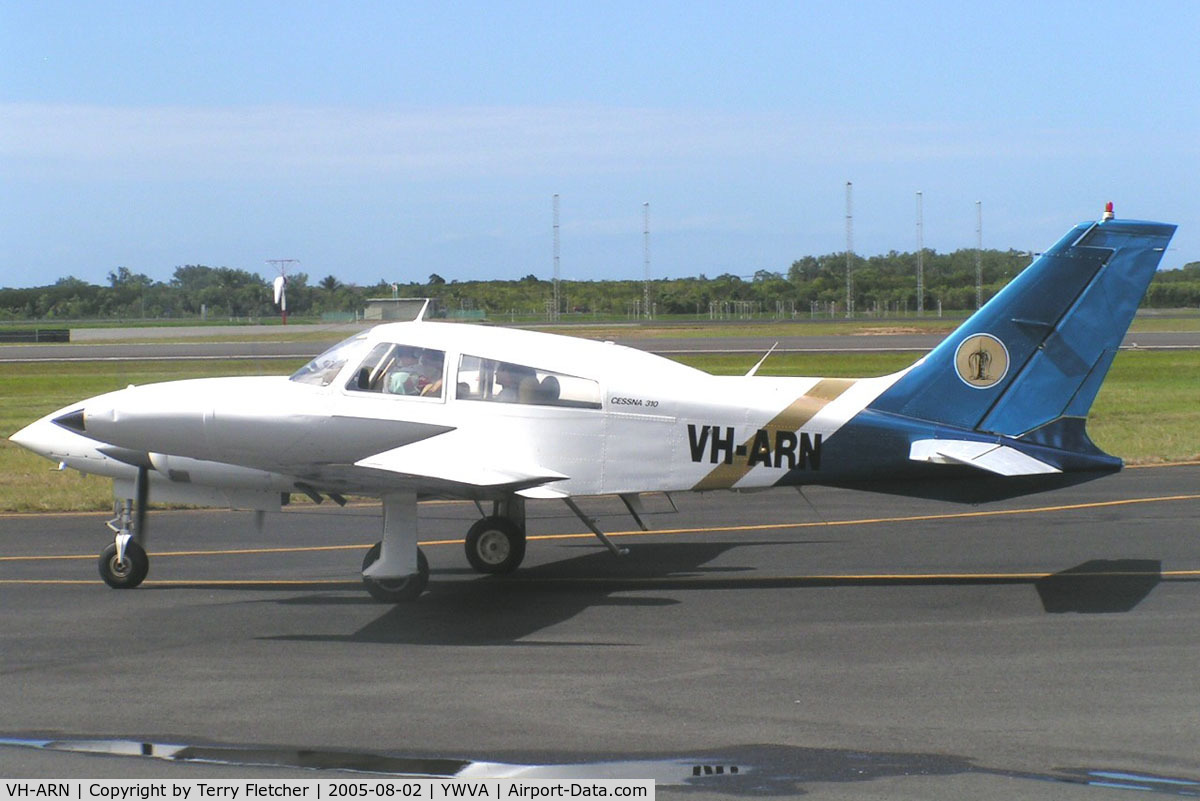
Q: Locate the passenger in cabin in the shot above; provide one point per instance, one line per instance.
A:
(511, 378)
(430, 369)
(549, 391)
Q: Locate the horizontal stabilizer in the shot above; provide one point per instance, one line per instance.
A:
(999, 459)
(449, 458)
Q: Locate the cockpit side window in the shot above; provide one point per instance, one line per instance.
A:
(396, 369)
(324, 368)
(506, 382)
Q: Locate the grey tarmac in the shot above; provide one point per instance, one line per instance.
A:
(839, 644)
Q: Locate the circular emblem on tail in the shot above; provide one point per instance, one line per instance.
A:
(981, 361)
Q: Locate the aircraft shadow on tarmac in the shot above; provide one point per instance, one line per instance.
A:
(1100, 586)
(507, 610)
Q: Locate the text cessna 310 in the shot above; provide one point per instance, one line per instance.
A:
(421, 409)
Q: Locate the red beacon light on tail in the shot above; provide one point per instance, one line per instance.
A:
(1108, 211)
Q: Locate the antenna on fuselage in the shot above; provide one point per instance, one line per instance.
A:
(754, 369)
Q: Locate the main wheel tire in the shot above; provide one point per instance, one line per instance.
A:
(396, 591)
(495, 545)
(127, 573)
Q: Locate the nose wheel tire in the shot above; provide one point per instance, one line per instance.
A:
(495, 545)
(395, 591)
(127, 573)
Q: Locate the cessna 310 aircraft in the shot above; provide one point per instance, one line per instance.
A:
(422, 409)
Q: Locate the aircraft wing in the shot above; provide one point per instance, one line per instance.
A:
(456, 459)
(999, 459)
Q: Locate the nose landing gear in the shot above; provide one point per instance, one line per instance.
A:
(124, 564)
(124, 568)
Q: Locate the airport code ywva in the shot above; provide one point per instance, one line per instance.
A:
(316, 790)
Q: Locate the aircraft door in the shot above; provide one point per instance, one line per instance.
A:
(551, 417)
(639, 441)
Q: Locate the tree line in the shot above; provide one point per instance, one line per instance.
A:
(883, 285)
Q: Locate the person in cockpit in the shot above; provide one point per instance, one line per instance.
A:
(510, 378)
(403, 376)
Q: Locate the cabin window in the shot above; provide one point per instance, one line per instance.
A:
(324, 368)
(506, 382)
(395, 369)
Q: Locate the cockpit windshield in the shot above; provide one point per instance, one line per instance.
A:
(323, 369)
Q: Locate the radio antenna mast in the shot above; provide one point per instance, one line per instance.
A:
(920, 255)
(849, 253)
(554, 312)
(646, 259)
(978, 253)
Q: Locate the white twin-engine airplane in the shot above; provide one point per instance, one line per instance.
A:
(413, 410)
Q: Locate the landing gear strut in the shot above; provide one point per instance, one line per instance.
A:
(124, 564)
(394, 569)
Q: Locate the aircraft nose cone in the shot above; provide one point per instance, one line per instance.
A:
(72, 421)
(37, 437)
(22, 437)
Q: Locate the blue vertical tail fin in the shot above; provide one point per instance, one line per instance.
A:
(1029, 363)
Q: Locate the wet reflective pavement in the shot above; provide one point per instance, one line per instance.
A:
(743, 771)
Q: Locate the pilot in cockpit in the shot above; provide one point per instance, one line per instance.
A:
(403, 376)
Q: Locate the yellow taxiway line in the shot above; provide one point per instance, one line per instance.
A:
(199, 582)
(859, 578)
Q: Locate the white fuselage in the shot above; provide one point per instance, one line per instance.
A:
(620, 421)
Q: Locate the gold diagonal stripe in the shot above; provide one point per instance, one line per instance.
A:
(797, 413)
(828, 389)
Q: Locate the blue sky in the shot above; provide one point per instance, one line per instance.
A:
(393, 140)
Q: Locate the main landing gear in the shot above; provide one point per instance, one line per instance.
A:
(395, 590)
(496, 544)
(394, 569)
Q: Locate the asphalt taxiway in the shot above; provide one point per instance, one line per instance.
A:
(840, 644)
